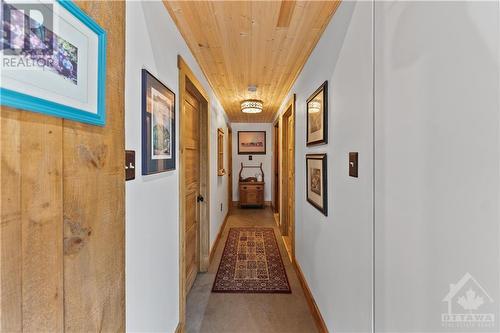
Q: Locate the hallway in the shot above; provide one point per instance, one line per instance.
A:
(209, 312)
(131, 130)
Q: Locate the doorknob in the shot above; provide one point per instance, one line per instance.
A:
(200, 198)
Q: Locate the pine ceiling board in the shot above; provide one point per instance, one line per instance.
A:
(286, 12)
(238, 43)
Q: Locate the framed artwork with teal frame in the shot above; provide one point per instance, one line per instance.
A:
(53, 60)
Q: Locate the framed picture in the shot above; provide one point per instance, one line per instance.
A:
(251, 142)
(53, 60)
(316, 182)
(158, 126)
(317, 116)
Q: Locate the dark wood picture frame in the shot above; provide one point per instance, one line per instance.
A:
(150, 165)
(255, 152)
(324, 182)
(324, 139)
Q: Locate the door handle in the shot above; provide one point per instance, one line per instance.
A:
(200, 198)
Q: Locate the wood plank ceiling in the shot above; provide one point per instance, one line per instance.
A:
(242, 43)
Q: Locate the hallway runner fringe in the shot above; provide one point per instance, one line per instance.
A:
(251, 263)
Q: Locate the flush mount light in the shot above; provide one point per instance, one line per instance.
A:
(251, 106)
(314, 106)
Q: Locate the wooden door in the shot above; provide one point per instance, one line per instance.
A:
(287, 227)
(229, 168)
(276, 170)
(62, 208)
(191, 137)
(291, 176)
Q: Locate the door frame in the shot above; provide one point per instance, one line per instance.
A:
(276, 164)
(288, 188)
(229, 167)
(187, 80)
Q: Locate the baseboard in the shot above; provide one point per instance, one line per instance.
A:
(277, 219)
(318, 318)
(266, 203)
(217, 239)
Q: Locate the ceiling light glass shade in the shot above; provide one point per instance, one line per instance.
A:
(251, 106)
(314, 107)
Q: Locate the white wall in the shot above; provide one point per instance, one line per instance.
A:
(335, 252)
(437, 159)
(218, 184)
(436, 162)
(152, 202)
(266, 160)
(437, 175)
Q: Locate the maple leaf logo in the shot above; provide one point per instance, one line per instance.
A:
(470, 301)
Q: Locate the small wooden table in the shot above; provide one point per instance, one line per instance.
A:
(251, 194)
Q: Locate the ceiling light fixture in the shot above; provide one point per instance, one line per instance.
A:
(251, 106)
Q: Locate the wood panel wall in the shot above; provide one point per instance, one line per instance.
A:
(62, 255)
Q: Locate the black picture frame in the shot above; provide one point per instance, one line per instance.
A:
(257, 152)
(324, 138)
(152, 165)
(323, 208)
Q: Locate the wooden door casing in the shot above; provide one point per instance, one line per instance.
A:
(291, 176)
(229, 168)
(287, 211)
(191, 134)
(188, 83)
(276, 169)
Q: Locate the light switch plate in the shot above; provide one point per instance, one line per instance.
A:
(353, 164)
(129, 164)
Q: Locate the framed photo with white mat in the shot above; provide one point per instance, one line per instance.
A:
(53, 60)
(317, 182)
(317, 116)
(158, 125)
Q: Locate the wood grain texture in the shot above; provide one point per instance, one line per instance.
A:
(251, 194)
(189, 84)
(290, 115)
(191, 138)
(62, 210)
(41, 216)
(285, 14)
(276, 168)
(31, 228)
(204, 251)
(229, 167)
(221, 171)
(94, 192)
(287, 186)
(10, 227)
(238, 43)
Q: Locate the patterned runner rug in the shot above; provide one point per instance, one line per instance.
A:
(251, 263)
